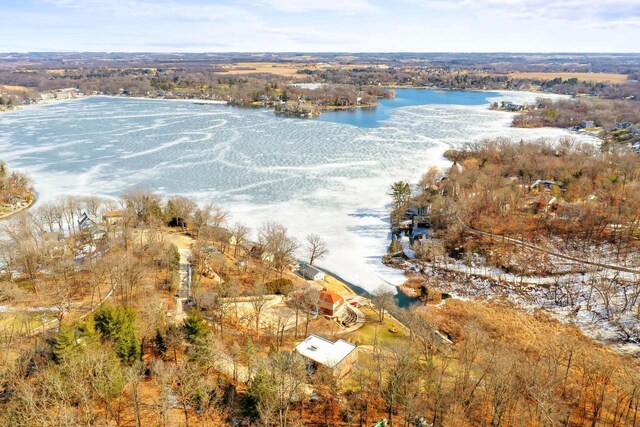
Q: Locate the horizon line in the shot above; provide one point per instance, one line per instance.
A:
(321, 52)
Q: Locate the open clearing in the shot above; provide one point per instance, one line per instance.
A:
(587, 77)
(11, 88)
(285, 69)
(280, 69)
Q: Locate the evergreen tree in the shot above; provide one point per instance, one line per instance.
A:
(71, 340)
(401, 193)
(64, 343)
(117, 324)
(196, 328)
(160, 343)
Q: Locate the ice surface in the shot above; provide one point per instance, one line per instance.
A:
(312, 176)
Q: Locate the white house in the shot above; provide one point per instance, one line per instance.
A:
(338, 356)
(311, 273)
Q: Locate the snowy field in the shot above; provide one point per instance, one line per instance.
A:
(312, 176)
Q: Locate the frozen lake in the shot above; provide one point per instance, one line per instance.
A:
(321, 176)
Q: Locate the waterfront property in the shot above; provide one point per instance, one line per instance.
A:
(114, 217)
(330, 302)
(311, 273)
(338, 356)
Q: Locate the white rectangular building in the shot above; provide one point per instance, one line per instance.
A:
(338, 356)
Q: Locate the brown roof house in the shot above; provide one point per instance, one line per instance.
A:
(330, 302)
(114, 217)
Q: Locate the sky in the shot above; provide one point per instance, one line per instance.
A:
(320, 25)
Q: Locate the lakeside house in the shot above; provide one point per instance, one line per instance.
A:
(114, 217)
(259, 253)
(338, 356)
(510, 106)
(311, 273)
(91, 228)
(622, 125)
(85, 222)
(330, 302)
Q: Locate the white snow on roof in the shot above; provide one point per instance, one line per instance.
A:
(324, 351)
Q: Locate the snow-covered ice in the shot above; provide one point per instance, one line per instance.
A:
(313, 176)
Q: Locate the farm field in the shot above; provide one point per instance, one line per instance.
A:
(279, 69)
(587, 77)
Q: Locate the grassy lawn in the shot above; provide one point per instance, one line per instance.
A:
(373, 330)
(335, 285)
(19, 323)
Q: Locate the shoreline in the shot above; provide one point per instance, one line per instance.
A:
(45, 103)
(502, 92)
(22, 209)
(369, 244)
(42, 103)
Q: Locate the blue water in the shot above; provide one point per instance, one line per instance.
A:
(376, 116)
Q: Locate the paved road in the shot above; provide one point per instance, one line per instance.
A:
(184, 291)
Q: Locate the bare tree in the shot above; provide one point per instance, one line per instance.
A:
(280, 386)
(382, 298)
(209, 215)
(258, 301)
(277, 244)
(311, 298)
(133, 376)
(316, 247)
(240, 233)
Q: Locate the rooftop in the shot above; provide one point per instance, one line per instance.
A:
(309, 271)
(114, 214)
(323, 351)
(330, 297)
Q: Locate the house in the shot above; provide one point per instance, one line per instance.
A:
(311, 273)
(418, 233)
(89, 227)
(338, 356)
(417, 210)
(420, 221)
(114, 217)
(622, 125)
(330, 302)
(587, 124)
(85, 222)
(259, 253)
(68, 93)
(510, 106)
(418, 215)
